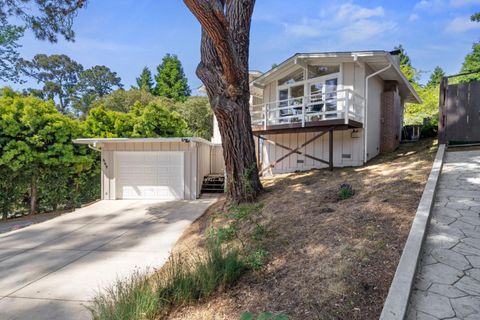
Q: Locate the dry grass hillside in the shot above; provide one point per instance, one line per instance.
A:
(327, 258)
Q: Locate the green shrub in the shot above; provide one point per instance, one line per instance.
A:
(133, 298)
(263, 316)
(180, 282)
(256, 259)
(345, 191)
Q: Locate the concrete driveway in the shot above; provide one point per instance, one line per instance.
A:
(51, 270)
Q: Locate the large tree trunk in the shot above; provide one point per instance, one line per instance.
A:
(224, 71)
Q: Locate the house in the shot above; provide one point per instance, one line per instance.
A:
(314, 110)
(155, 168)
(333, 109)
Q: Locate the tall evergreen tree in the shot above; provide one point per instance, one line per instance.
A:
(144, 81)
(59, 75)
(170, 80)
(406, 65)
(435, 77)
(472, 64)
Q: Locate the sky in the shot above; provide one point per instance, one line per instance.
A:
(127, 35)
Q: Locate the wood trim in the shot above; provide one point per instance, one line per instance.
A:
(296, 150)
(290, 149)
(312, 126)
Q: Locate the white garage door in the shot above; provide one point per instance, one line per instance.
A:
(149, 175)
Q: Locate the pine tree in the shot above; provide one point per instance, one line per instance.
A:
(170, 79)
(472, 64)
(144, 81)
(406, 65)
(436, 77)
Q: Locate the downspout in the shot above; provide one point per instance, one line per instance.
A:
(94, 147)
(365, 118)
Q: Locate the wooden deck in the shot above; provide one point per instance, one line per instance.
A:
(312, 126)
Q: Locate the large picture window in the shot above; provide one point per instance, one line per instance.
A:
(318, 93)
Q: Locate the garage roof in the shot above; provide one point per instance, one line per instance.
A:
(99, 141)
(376, 60)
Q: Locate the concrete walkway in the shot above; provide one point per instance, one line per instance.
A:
(448, 280)
(51, 270)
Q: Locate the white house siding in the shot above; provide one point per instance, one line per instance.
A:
(375, 89)
(203, 163)
(343, 144)
(217, 161)
(190, 163)
(354, 77)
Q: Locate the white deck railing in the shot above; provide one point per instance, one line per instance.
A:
(341, 104)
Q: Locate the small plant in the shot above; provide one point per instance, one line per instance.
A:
(256, 259)
(131, 298)
(345, 191)
(263, 316)
(181, 281)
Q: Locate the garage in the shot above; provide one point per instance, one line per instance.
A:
(149, 175)
(155, 168)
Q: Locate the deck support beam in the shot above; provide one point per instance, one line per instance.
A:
(296, 150)
(290, 149)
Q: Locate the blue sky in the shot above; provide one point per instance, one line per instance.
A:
(127, 35)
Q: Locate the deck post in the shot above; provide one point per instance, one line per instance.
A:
(266, 116)
(303, 113)
(346, 107)
(330, 149)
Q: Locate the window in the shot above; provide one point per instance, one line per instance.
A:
(319, 71)
(331, 96)
(293, 77)
(316, 98)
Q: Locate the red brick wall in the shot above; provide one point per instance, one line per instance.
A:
(391, 117)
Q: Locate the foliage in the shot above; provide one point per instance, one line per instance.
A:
(180, 281)
(406, 66)
(124, 100)
(471, 64)
(9, 36)
(416, 113)
(475, 17)
(133, 298)
(94, 83)
(37, 152)
(153, 120)
(241, 223)
(199, 116)
(59, 75)
(145, 81)
(170, 80)
(263, 316)
(99, 80)
(435, 77)
(345, 191)
(45, 18)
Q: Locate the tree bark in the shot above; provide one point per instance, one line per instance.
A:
(223, 70)
(33, 195)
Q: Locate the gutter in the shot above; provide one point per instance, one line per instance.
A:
(365, 118)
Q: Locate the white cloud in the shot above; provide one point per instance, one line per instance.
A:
(351, 24)
(435, 5)
(365, 30)
(350, 11)
(461, 24)
(308, 28)
(413, 17)
(463, 3)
